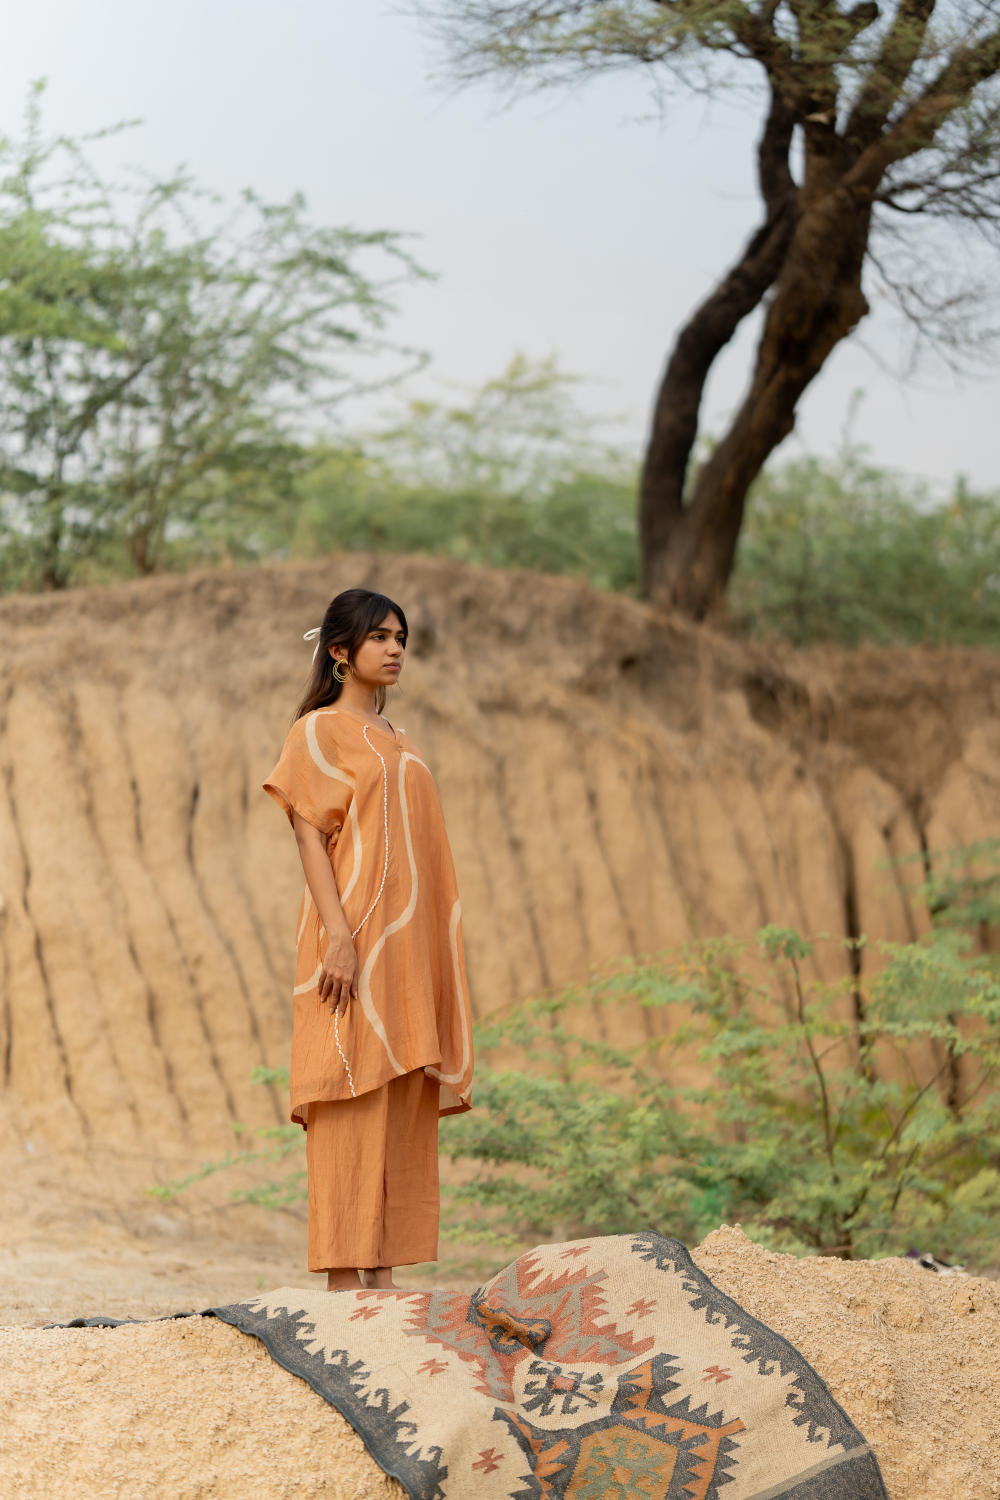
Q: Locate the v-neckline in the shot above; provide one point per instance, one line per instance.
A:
(390, 733)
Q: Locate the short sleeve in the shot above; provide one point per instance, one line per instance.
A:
(310, 778)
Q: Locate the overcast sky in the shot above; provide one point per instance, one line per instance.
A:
(580, 225)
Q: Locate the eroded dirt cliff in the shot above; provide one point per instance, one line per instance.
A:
(613, 780)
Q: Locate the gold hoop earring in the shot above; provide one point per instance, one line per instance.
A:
(340, 676)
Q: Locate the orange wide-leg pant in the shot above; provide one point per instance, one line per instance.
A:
(372, 1165)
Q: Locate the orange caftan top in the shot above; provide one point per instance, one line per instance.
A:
(372, 794)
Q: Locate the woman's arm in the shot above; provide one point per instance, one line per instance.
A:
(338, 982)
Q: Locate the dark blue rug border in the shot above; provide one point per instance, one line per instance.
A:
(763, 1346)
(381, 1428)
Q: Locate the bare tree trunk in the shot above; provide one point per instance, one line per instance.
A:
(678, 402)
(689, 548)
(708, 331)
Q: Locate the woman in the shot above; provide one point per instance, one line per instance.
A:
(381, 1036)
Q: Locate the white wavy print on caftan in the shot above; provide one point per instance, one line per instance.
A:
(364, 979)
(335, 774)
(450, 1078)
(307, 907)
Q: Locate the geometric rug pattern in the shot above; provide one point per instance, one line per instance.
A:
(603, 1369)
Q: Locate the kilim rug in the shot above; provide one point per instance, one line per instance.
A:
(604, 1369)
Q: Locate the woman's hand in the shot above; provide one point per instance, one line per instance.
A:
(338, 983)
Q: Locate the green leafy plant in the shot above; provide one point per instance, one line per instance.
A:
(962, 891)
(816, 1130)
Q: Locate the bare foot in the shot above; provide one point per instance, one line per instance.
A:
(341, 1280)
(378, 1278)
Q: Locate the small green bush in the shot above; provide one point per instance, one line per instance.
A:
(845, 551)
(816, 1130)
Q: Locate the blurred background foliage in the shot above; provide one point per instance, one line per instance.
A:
(833, 549)
(173, 376)
(842, 550)
(164, 359)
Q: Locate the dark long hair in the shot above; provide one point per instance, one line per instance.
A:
(348, 619)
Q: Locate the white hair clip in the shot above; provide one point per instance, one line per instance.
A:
(313, 635)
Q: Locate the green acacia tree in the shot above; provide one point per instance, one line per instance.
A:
(164, 356)
(879, 121)
(819, 1134)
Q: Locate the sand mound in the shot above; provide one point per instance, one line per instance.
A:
(186, 1408)
(910, 1355)
(194, 1408)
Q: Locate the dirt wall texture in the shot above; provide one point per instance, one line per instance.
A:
(613, 780)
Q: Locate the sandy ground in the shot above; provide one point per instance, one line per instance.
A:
(911, 1355)
(169, 1410)
(175, 1410)
(192, 1408)
(66, 1254)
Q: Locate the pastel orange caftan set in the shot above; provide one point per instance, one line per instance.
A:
(370, 1105)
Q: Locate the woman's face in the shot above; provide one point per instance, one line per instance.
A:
(378, 661)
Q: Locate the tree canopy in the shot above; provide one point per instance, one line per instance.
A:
(163, 356)
(878, 121)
